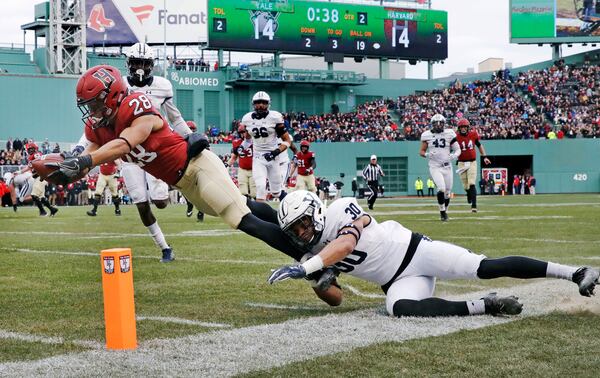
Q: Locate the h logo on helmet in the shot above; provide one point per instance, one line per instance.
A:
(104, 76)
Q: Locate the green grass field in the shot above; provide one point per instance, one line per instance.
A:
(213, 309)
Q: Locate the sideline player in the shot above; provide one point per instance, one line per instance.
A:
(467, 160)
(124, 124)
(34, 185)
(440, 147)
(404, 263)
(106, 178)
(265, 126)
(305, 164)
(241, 152)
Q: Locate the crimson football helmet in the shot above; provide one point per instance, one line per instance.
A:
(463, 126)
(100, 91)
(306, 144)
(31, 148)
(192, 126)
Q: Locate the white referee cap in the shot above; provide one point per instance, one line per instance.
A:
(373, 157)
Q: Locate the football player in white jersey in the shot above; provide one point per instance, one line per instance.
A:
(265, 126)
(440, 147)
(404, 263)
(142, 186)
(285, 165)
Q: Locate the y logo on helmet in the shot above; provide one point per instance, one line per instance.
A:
(104, 76)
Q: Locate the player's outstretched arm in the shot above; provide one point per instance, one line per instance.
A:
(334, 252)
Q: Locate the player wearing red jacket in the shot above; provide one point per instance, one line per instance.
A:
(106, 178)
(38, 193)
(305, 163)
(125, 125)
(242, 152)
(467, 160)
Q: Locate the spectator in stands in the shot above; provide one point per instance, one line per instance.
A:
(56, 149)
(45, 147)
(17, 145)
(9, 144)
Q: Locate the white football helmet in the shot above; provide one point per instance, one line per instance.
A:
(140, 63)
(261, 101)
(302, 211)
(438, 123)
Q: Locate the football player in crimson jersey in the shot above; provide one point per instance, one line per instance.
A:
(241, 152)
(106, 178)
(404, 263)
(305, 163)
(38, 191)
(467, 160)
(122, 124)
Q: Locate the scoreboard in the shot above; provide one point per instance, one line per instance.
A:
(315, 28)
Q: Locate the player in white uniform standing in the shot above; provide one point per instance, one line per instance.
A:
(265, 126)
(440, 147)
(404, 263)
(285, 166)
(142, 186)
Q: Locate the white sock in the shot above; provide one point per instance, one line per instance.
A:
(442, 207)
(476, 307)
(157, 235)
(560, 271)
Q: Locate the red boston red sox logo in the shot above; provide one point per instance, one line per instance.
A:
(97, 20)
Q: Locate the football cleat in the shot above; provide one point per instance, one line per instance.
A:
(474, 210)
(190, 210)
(586, 278)
(118, 212)
(444, 216)
(167, 255)
(200, 216)
(43, 214)
(495, 305)
(53, 211)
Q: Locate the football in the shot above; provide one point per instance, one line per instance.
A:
(39, 166)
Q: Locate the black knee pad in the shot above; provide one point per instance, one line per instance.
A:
(440, 197)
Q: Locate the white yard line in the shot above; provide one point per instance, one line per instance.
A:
(281, 307)
(54, 340)
(136, 256)
(359, 293)
(108, 235)
(229, 352)
(169, 319)
(535, 240)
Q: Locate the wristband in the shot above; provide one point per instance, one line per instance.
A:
(313, 264)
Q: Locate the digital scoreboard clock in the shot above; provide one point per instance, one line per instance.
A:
(315, 28)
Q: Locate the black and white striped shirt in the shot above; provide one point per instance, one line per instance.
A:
(372, 172)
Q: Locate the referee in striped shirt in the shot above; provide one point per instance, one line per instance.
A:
(371, 174)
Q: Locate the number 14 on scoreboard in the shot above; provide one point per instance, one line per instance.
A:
(400, 34)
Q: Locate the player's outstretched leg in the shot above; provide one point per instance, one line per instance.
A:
(263, 211)
(39, 205)
(585, 277)
(473, 197)
(491, 304)
(269, 233)
(116, 200)
(442, 205)
(45, 202)
(149, 220)
(95, 202)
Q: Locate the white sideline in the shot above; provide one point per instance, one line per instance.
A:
(282, 307)
(169, 319)
(235, 351)
(136, 256)
(55, 340)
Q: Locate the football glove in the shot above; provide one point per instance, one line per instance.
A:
(70, 168)
(269, 156)
(287, 272)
